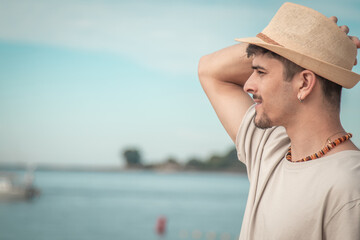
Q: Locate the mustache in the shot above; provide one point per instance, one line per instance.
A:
(257, 97)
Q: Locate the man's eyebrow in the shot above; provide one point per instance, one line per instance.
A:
(255, 67)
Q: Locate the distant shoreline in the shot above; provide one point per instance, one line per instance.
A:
(108, 169)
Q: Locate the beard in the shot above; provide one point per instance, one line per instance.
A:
(263, 122)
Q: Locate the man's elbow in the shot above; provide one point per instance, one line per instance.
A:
(204, 67)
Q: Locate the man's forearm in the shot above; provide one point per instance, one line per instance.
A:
(230, 65)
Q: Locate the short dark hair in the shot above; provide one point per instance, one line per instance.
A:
(331, 90)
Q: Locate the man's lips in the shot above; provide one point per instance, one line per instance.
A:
(257, 99)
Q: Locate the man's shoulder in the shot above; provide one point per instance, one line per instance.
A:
(346, 162)
(344, 172)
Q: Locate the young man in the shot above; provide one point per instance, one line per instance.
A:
(304, 171)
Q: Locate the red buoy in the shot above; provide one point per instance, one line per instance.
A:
(161, 225)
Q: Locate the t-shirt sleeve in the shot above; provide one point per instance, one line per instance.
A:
(345, 224)
(255, 145)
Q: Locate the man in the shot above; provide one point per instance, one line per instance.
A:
(304, 171)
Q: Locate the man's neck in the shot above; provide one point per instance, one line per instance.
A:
(310, 135)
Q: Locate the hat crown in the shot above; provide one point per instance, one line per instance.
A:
(311, 33)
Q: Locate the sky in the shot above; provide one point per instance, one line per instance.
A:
(82, 80)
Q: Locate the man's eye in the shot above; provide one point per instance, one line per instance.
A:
(260, 72)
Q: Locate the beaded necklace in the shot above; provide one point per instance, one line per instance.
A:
(323, 151)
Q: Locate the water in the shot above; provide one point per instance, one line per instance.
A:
(126, 205)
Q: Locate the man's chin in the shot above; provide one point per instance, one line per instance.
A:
(262, 122)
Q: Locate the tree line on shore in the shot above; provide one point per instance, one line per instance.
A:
(227, 162)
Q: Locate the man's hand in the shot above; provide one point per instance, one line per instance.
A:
(346, 29)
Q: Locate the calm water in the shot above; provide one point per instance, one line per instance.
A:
(125, 206)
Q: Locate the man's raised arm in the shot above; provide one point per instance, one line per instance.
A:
(222, 75)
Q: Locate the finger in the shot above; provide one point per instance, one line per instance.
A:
(333, 18)
(355, 40)
(345, 29)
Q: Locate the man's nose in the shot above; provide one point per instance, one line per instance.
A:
(250, 85)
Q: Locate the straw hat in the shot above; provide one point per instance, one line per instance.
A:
(311, 40)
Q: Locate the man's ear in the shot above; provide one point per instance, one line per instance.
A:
(305, 84)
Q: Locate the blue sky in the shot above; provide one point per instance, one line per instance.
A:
(82, 80)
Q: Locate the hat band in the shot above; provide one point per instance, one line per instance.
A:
(267, 39)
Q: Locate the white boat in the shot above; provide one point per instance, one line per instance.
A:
(11, 188)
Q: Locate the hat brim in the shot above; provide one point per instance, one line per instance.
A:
(339, 75)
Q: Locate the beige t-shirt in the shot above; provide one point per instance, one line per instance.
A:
(318, 199)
